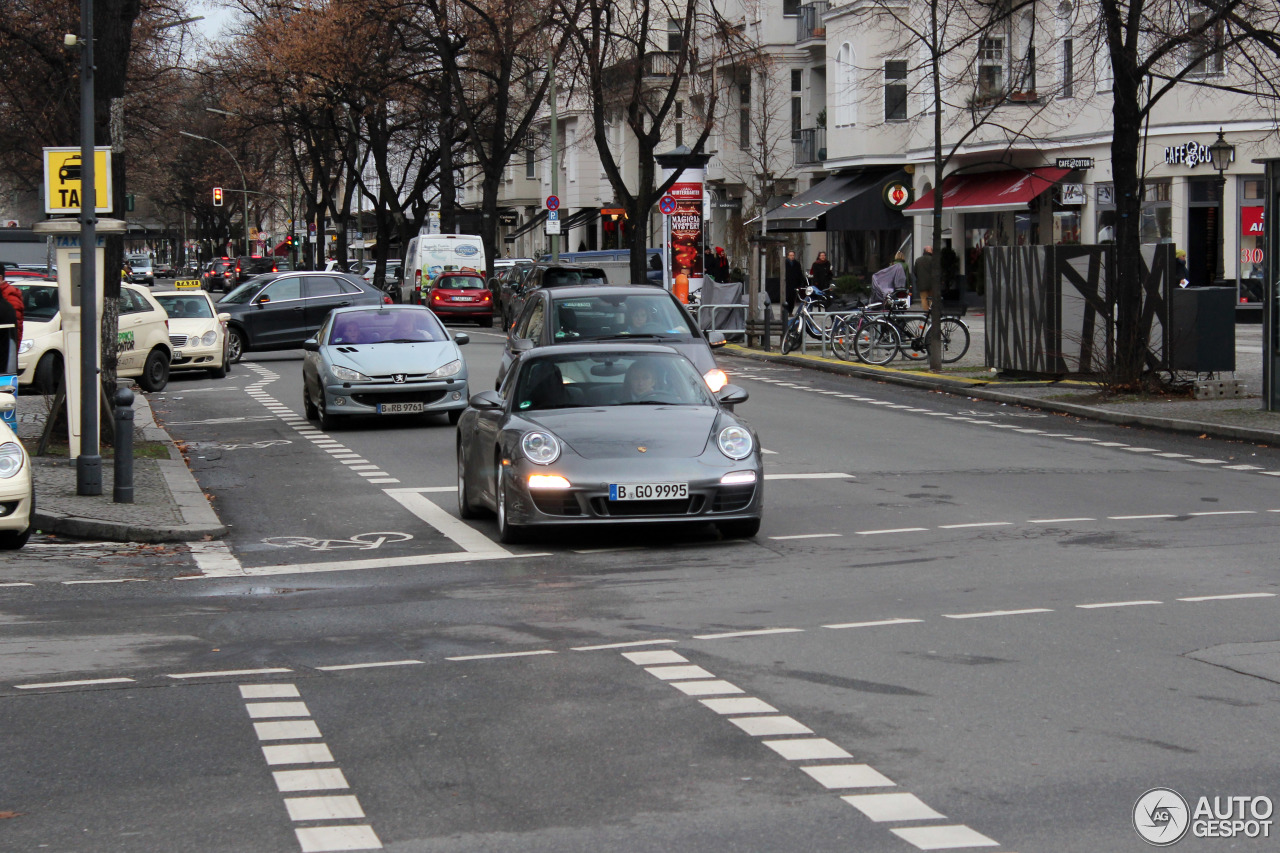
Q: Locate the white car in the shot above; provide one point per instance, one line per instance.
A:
(40, 353)
(17, 489)
(197, 331)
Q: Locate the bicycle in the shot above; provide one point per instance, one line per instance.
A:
(870, 338)
(804, 321)
(913, 329)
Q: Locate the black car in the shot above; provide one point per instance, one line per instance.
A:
(219, 274)
(280, 310)
(249, 266)
(626, 312)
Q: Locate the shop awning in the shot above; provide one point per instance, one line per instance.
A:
(582, 217)
(1009, 189)
(282, 248)
(849, 202)
(526, 228)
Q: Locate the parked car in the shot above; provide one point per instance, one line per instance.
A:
(141, 270)
(143, 350)
(197, 331)
(608, 433)
(17, 486)
(503, 284)
(276, 311)
(40, 352)
(249, 266)
(219, 275)
(460, 296)
(380, 360)
(390, 283)
(542, 275)
(589, 313)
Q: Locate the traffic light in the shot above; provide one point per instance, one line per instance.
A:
(217, 196)
(288, 241)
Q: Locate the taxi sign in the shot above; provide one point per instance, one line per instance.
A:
(187, 284)
(62, 179)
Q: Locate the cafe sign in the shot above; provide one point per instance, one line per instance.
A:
(1189, 154)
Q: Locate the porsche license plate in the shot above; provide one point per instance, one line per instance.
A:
(647, 491)
(399, 408)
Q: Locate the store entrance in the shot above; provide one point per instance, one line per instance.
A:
(1202, 231)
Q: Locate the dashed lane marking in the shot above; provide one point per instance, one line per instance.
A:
(1230, 597)
(226, 673)
(621, 645)
(87, 682)
(874, 624)
(807, 536)
(890, 530)
(503, 655)
(991, 613)
(760, 632)
(372, 665)
(1116, 604)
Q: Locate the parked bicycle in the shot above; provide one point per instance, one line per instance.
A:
(803, 321)
(913, 329)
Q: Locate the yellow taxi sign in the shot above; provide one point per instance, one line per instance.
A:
(187, 284)
(62, 185)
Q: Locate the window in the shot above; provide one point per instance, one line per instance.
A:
(797, 102)
(1205, 47)
(790, 8)
(679, 122)
(675, 36)
(744, 115)
(283, 289)
(530, 162)
(1068, 89)
(846, 87)
(895, 90)
(990, 67)
(132, 303)
(571, 154)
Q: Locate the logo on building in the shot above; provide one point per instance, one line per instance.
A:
(1074, 163)
(1189, 154)
(897, 195)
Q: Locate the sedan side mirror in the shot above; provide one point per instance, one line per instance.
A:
(716, 339)
(486, 401)
(731, 395)
(263, 299)
(311, 345)
(461, 338)
(224, 317)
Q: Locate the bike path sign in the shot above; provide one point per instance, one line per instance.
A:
(62, 184)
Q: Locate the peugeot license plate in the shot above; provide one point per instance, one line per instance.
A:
(461, 298)
(399, 408)
(647, 491)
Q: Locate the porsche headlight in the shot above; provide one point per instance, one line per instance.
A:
(346, 374)
(453, 368)
(209, 338)
(10, 459)
(26, 345)
(735, 442)
(540, 447)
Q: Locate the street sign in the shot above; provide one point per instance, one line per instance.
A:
(553, 202)
(62, 179)
(553, 225)
(667, 205)
(553, 215)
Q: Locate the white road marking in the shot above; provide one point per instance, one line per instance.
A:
(329, 839)
(382, 563)
(883, 808)
(836, 776)
(1111, 444)
(267, 691)
(1243, 468)
(621, 645)
(1116, 604)
(363, 466)
(297, 753)
(678, 673)
(807, 536)
(770, 726)
(715, 687)
(357, 460)
(1230, 597)
(323, 808)
(1227, 512)
(215, 559)
(975, 524)
(1174, 455)
(321, 779)
(269, 710)
(806, 749)
(823, 476)
(1080, 438)
(105, 580)
(503, 655)
(83, 683)
(742, 705)
(997, 613)
(1140, 450)
(875, 624)
(18, 583)
(761, 632)
(344, 666)
(651, 658)
(462, 534)
(383, 481)
(891, 530)
(375, 473)
(1206, 461)
(943, 837)
(225, 672)
(1139, 517)
(769, 452)
(287, 730)
(1057, 520)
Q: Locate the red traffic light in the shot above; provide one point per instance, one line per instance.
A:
(217, 196)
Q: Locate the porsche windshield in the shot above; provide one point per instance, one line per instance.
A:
(594, 379)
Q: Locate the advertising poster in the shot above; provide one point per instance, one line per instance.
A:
(687, 224)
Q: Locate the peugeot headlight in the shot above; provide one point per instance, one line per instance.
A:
(209, 338)
(735, 442)
(26, 345)
(540, 447)
(453, 368)
(11, 457)
(346, 374)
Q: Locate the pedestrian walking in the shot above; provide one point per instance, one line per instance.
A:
(820, 273)
(1180, 272)
(794, 278)
(926, 275)
(10, 324)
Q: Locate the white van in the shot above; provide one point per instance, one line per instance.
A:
(428, 255)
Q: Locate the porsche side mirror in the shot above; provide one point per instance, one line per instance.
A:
(486, 401)
(731, 395)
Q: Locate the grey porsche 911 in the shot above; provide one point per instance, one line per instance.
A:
(608, 434)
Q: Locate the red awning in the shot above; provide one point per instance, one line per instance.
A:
(282, 248)
(1011, 189)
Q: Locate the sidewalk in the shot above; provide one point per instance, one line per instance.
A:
(1239, 418)
(169, 505)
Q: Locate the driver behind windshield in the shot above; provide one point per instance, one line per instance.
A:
(641, 382)
(640, 320)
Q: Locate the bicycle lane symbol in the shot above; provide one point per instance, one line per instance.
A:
(361, 541)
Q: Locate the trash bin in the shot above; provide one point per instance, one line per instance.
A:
(1202, 329)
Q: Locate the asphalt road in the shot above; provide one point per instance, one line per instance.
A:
(961, 626)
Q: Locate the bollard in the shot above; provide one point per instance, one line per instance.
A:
(123, 491)
(768, 329)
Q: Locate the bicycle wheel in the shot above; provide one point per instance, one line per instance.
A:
(914, 343)
(955, 339)
(876, 342)
(842, 334)
(792, 336)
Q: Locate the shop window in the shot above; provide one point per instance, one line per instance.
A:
(1155, 222)
(895, 90)
(1252, 189)
(1066, 227)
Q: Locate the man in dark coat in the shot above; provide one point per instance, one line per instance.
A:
(794, 277)
(926, 276)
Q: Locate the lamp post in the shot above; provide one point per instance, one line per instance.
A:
(243, 183)
(1221, 153)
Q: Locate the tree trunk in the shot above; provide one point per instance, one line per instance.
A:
(1130, 338)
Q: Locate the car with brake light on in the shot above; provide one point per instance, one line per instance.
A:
(17, 486)
(460, 296)
(197, 331)
(608, 433)
(383, 360)
(219, 274)
(587, 314)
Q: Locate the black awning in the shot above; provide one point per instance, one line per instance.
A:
(526, 228)
(848, 202)
(866, 210)
(582, 217)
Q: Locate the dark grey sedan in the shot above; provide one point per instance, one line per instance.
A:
(608, 433)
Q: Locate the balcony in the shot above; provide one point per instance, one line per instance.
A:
(654, 64)
(809, 23)
(811, 145)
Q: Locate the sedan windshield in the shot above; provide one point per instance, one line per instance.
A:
(609, 379)
(185, 307)
(639, 315)
(386, 326)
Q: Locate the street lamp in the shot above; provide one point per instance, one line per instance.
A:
(243, 183)
(1221, 153)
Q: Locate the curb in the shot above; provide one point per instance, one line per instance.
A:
(979, 388)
